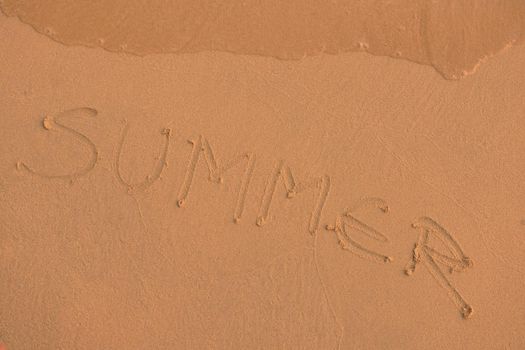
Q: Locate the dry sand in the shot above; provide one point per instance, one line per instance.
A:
(235, 176)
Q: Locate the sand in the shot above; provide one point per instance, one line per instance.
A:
(196, 180)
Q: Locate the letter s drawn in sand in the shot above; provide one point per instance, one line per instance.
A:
(50, 123)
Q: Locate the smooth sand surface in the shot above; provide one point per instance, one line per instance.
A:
(453, 36)
(205, 199)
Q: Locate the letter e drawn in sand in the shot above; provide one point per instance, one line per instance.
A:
(51, 123)
(216, 172)
(347, 221)
(456, 260)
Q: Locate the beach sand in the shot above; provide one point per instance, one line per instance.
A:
(202, 178)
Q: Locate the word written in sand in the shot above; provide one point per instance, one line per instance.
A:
(424, 252)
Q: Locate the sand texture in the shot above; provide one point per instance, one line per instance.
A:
(227, 175)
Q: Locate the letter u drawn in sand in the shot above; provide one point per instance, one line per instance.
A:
(157, 171)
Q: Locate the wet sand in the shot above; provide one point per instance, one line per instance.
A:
(241, 194)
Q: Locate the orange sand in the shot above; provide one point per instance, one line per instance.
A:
(214, 200)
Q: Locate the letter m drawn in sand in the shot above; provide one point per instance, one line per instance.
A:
(284, 173)
(216, 172)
